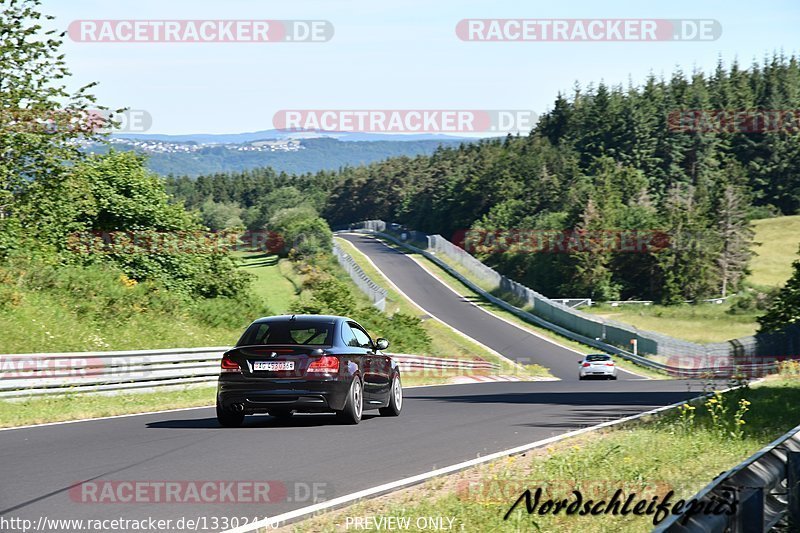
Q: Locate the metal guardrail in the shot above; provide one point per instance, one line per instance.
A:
(782, 344)
(375, 293)
(24, 375)
(761, 492)
(723, 368)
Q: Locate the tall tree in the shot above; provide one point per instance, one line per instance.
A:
(785, 309)
(735, 236)
(39, 116)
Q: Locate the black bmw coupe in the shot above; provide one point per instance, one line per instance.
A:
(307, 363)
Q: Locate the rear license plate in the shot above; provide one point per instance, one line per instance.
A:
(273, 365)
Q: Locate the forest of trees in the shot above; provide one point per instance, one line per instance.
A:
(603, 159)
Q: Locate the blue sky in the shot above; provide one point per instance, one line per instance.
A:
(391, 55)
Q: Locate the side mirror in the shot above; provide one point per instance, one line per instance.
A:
(381, 344)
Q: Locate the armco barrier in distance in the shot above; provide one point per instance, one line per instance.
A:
(610, 336)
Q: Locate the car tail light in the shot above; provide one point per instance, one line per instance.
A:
(584, 365)
(229, 365)
(327, 364)
(609, 364)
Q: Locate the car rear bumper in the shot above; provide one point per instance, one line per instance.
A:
(598, 373)
(260, 396)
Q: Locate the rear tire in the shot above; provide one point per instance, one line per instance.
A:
(228, 418)
(614, 378)
(395, 399)
(353, 407)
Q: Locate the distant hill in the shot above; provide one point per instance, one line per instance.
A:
(239, 138)
(194, 157)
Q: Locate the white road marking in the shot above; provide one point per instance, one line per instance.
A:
(282, 519)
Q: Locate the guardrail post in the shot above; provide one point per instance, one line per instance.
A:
(793, 489)
(750, 516)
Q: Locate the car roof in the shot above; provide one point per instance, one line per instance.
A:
(323, 319)
(596, 354)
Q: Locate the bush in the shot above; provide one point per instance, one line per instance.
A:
(751, 300)
(112, 210)
(52, 307)
(304, 233)
(10, 236)
(234, 313)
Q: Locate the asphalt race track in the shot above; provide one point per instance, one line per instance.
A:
(465, 316)
(439, 426)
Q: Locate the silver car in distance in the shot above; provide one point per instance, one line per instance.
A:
(597, 365)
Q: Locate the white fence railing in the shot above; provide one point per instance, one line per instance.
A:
(24, 375)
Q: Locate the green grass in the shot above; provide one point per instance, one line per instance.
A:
(445, 341)
(701, 323)
(111, 313)
(78, 406)
(649, 458)
(270, 283)
(46, 322)
(780, 240)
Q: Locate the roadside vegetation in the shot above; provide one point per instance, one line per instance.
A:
(682, 450)
(269, 283)
(701, 323)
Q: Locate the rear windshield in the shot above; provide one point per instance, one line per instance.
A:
(597, 357)
(288, 332)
